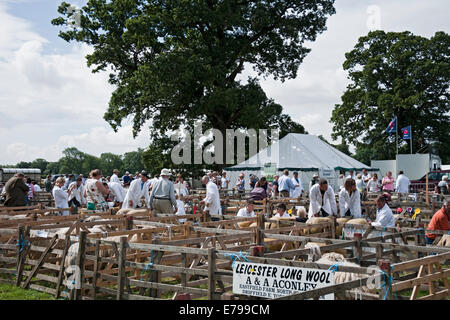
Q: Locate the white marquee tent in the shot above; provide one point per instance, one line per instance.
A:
(306, 154)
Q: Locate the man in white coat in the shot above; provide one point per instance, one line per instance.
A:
(212, 199)
(322, 202)
(138, 188)
(117, 191)
(385, 217)
(297, 192)
(402, 184)
(115, 176)
(350, 200)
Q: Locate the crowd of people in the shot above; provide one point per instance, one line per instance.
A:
(162, 195)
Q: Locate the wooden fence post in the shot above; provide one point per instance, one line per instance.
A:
(19, 254)
(121, 275)
(260, 227)
(96, 267)
(333, 227)
(358, 246)
(211, 269)
(385, 266)
(80, 264)
(61, 267)
(184, 264)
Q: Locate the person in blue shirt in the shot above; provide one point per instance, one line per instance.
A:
(240, 185)
(285, 184)
(126, 179)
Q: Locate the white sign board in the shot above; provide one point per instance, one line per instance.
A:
(326, 173)
(273, 281)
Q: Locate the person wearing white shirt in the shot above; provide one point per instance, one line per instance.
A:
(60, 196)
(115, 176)
(385, 217)
(181, 210)
(212, 199)
(351, 175)
(297, 192)
(75, 193)
(37, 187)
(247, 211)
(224, 181)
(281, 211)
(402, 183)
(365, 176)
(314, 180)
(117, 192)
(322, 200)
(350, 200)
(360, 185)
(153, 181)
(180, 186)
(374, 185)
(138, 188)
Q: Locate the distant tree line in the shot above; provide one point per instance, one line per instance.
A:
(76, 161)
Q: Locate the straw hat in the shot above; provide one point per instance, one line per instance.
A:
(165, 172)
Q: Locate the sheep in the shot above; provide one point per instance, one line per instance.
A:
(340, 223)
(343, 277)
(315, 220)
(245, 224)
(445, 241)
(360, 221)
(340, 251)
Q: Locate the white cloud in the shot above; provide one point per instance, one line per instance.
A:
(321, 80)
(52, 101)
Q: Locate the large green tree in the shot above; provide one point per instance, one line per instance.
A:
(109, 162)
(395, 74)
(176, 61)
(132, 161)
(72, 161)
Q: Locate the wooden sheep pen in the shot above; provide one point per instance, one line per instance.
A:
(159, 258)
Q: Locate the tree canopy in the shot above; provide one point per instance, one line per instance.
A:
(395, 74)
(174, 62)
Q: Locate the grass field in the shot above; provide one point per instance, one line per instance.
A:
(10, 292)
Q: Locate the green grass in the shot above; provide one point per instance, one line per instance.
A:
(10, 292)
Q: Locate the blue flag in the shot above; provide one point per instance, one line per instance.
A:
(406, 133)
(392, 127)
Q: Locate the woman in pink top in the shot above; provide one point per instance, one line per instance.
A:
(388, 182)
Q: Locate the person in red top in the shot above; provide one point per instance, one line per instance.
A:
(440, 221)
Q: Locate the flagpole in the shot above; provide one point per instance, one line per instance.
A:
(396, 135)
(410, 140)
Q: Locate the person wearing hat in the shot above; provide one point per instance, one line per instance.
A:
(126, 179)
(162, 197)
(138, 189)
(314, 180)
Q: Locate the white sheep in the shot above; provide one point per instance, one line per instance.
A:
(343, 277)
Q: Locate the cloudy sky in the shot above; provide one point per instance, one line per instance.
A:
(49, 99)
